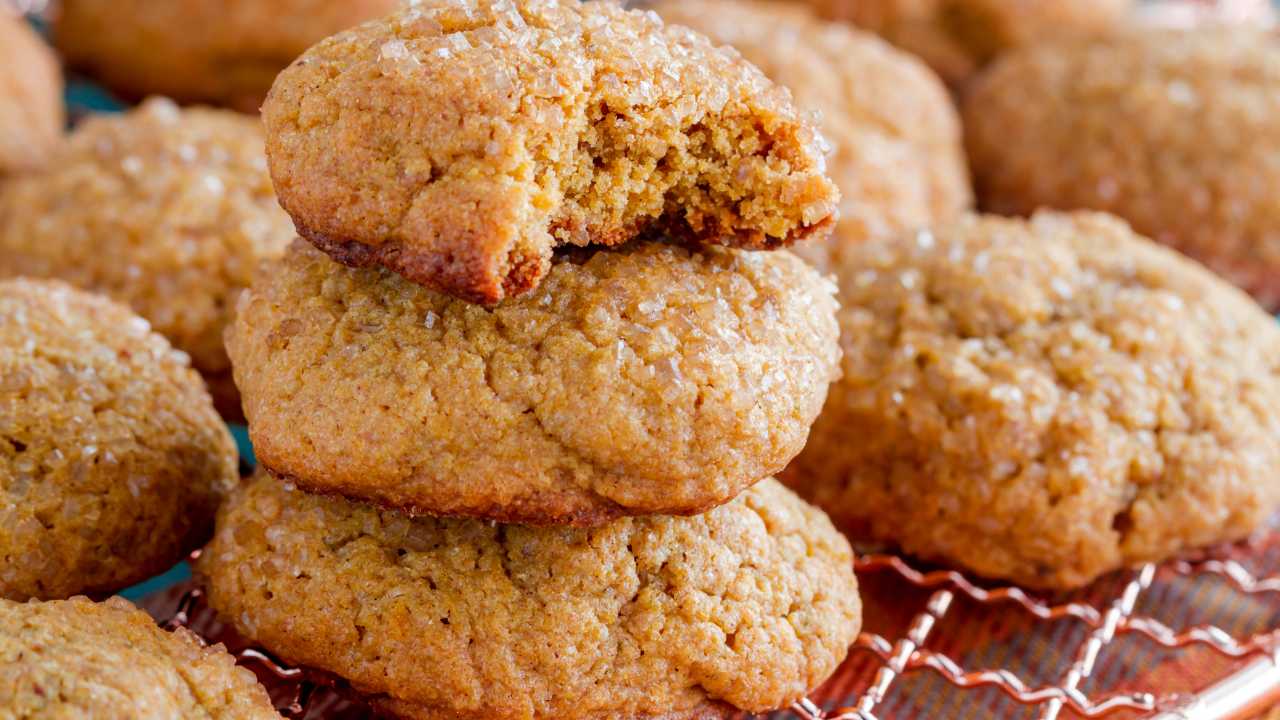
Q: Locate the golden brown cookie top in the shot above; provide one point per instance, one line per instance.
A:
(458, 143)
(898, 156)
(164, 209)
(645, 379)
(958, 37)
(112, 459)
(752, 604)
(1046, 400)
(78, 658)
(224, 52)
(31, 112)
(1177, 132)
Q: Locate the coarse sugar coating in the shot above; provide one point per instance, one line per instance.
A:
(749, 605)
(31, 112)
(166, 210)
(958, 37)
(553, 122)
(647, 379)
(112, 459)
(223, 52)
(898, 153)
(80, 659)
(1044, 401)
(1177, 132)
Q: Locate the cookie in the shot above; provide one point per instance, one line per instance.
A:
(552, 123)
(650, 379)
(222, 52)
(958, 37)
(898, 156)
(163, 209)
(1044, 401)
(31, 112)
(78, 658)
(748, 606)
(112, 459)
(1193, 14)
(1177, 132)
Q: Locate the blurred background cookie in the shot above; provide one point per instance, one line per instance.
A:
(221, 52)
(31, 110)
(77, 658)
(164, 209)
(897, 152)
(746, 607)
(644, 379)
(1185, 14)
(958, 37)
(1044, 401)
(1177, 132)
(562, 123)
(112, 459)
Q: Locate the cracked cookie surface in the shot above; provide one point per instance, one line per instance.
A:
(164, 209)
(1177, 132)
(898, 155)
(112, 459)
(223, 52)
(1044, 401)
(747, 606)
(646, 379)
(109, 660)
(31, 112)
(552, 123)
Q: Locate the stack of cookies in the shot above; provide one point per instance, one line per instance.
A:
(519, 389)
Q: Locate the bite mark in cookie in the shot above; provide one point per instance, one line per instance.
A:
(459, 143)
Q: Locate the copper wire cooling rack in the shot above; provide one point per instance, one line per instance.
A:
(1101, 618)
(1138, 644)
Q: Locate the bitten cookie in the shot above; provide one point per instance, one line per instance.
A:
(552, 123)
(748, 606)
(78, 658)
(163, 209)
(31, 112)
(1045, 401)
(1178, 133)
(898, 154)
(958, 37)
(112, 459)
(650, 379)
(224, 52)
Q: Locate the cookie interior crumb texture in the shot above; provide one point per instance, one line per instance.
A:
(1177, 132)
(552, 123)
(31, 112)
(223, 52)
(164, 209)
(77, 658)
(112, 459)
(1045, 401)
(898, 156)
(752, 604)
(645, 379)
